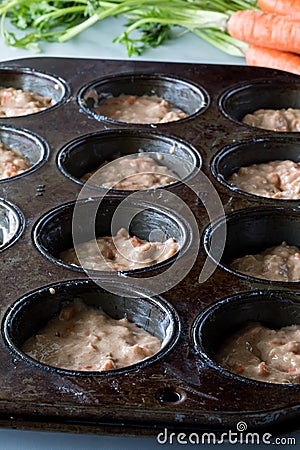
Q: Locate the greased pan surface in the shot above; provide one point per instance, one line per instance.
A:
(180, 388)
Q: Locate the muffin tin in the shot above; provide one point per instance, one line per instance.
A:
(179, 388)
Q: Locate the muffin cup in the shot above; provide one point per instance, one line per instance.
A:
(185, 95)
(250, 231)
(274, 309)
(41, 83)
(56, 230)
(87, 153)
(246, 98)
(33, 311)
(34, 148)
(255, 151)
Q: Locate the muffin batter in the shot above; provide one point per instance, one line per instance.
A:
(120, 252)
(263, 354)
(280, 263)
(16, 102)
(85, 338)
(133, 173)
(273, 119)
(139, 109)
(12, 162)
(275, 179)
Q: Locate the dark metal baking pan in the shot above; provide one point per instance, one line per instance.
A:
(180, 390)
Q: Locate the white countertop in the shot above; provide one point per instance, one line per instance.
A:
(97, 43)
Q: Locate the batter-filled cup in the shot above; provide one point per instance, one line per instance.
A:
(274, 104)
(262, 244)
(260, 167)
(80, 327)
(141, 98)
(25, 91)
(133, 235)
(21, 152)
(128, 160)
(252, 336)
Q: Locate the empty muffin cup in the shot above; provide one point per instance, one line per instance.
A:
(230, 159)
(254, 231)
(40, 89)
(247, 98)
(22, 152)
(176, 97)
(81, 158)
(12, 223)
(28, 316)
(220, 321)
(62, 234)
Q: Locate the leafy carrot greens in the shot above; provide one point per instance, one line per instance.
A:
(26, 23)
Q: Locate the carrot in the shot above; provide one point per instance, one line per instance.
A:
(283, 7)
(273, 59)
(266, 30)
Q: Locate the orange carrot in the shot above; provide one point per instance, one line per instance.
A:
(266, 30)
(283, 7)
(273, 59)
